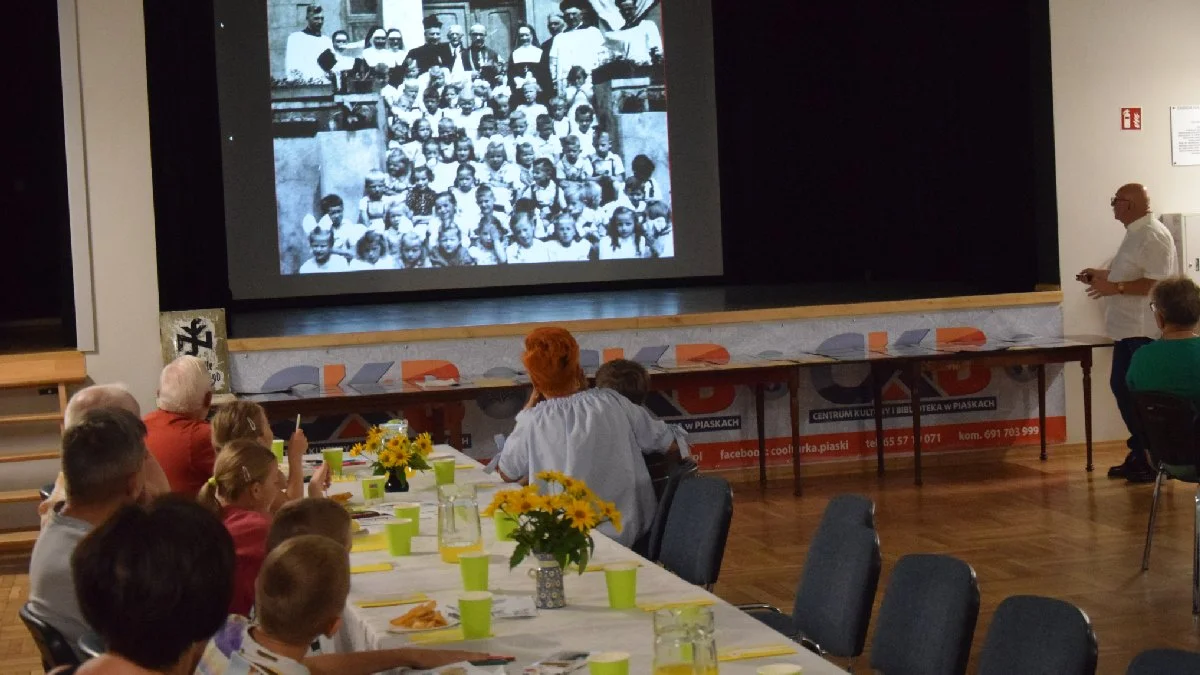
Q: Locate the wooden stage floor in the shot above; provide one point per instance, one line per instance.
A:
(1026, 526)
(569, 307)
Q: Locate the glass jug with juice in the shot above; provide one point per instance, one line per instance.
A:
(458, 521)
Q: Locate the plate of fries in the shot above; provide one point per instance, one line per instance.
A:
(423, 617)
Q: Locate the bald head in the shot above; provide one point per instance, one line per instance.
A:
(1131, 202)
(96, 397)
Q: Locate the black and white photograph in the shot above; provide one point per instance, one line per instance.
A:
(450, 133)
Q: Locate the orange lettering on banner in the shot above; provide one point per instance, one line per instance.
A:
(963, 381)
(704, 400)
(412, 371)
(877, 340)
(612, 354)
(332, 375)
(960, 335)
(706, 353)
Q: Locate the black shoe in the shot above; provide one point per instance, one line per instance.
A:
(1119, 470)
(1140, 474)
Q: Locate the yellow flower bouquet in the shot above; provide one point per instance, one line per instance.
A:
(556, 524)
(392, 454)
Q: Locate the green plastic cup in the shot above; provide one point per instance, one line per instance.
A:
(609, 663)
(475, 612)
(333, 458)
(622, 584)
(443, 471)
(474, 568)
(372, 489)
(399, 537)
(410, 511)
(277, 448)
(505, 526)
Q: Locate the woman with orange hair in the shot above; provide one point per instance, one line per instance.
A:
(595, 435)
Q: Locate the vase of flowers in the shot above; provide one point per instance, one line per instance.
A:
(555, 527)
(394, 455)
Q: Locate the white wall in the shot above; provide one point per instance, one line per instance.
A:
(1109, 54)
(116, 137)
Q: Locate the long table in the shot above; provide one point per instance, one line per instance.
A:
(755, 372)
(585, 624)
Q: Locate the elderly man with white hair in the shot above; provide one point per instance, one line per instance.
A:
(96, 397)
(177, 433)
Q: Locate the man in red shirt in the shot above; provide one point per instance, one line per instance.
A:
(177, 433)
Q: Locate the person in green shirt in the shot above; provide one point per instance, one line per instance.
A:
(1171, 364)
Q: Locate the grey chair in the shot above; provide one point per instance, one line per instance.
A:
(832, 609)
(53, 647)
(1165, 662)
(1038, 636)
(1168, 425)
(849, 508)
(927, 619)
(91, 645)
(677, 474)
(697, 526)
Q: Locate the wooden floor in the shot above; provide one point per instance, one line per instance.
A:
(1026, 526)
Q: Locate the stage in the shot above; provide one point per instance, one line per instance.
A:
(475, 345)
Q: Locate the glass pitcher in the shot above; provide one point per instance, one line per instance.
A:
(394, 427)
(684, 642)
(458, 521)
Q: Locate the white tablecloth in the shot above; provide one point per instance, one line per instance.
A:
(585, 624)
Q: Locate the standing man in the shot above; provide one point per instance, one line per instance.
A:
(555, 24)
(638, 40)
(579, 45)
(1146, 256)
(304, 47)
(434, 52)
(454, 35)
(478, 54)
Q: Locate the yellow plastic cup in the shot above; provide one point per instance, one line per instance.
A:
(410, 511)
(622, 584)
(609, 663)
(475, 612)
(443, 471)
(399, 537)
(277, 449)
(474, 567)
(333, 459)
(505, 526)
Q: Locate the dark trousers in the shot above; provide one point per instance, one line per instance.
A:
(1123, 352)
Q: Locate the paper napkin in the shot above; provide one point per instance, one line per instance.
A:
(760, 652)
(377, 567)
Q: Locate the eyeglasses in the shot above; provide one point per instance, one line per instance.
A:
(1114, 200)
(478, 35)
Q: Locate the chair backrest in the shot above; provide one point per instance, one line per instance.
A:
(92, 645)
(837, 588)
(1164, 662)
(54, 648)
(927, 618)
(1038, 636)
(693, 543)
(679, 473)
(659, 465)
(1168, 426)
(849, 508)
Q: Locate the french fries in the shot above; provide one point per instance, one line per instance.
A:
(341, 497)
(424, 615)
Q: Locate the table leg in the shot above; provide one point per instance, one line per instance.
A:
(794, 408)
(759, 411)
(877, 396)
(438, 421)
(1041, 381)
(915, 401)
(1086, 363)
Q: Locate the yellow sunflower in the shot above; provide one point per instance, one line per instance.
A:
(403, 455)
(569, 483)
(608, 511)
(424, 444)
(356, 449)
(524, 502)
(581, 515)
(387, 458)
(394, 443)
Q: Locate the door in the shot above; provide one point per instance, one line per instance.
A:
(499, 17)
(450, 14)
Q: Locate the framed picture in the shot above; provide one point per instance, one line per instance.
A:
(199, 333)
